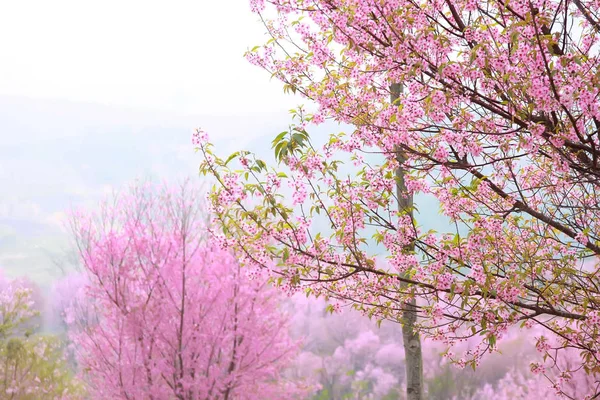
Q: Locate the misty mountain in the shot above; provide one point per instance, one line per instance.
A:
(56, 155)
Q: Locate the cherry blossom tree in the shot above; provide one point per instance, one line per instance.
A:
(522, 384)
(176, 316)
(350, 357)
(498, 119)
(68, 301)
(346, 353)
(70, 310)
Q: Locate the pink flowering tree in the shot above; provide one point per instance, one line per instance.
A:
(519, 383)
(176, 316)
(350, 357)
(490, 107)
(68, 301)
(35, 299)
(70, 310)
(345, 352)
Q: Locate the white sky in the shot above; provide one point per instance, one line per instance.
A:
(180, 59)
(176, 55)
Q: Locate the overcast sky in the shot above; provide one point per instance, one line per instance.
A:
(96, 93)
(176, 55)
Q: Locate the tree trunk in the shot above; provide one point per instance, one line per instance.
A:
(411, 339)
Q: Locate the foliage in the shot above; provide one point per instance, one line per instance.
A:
(497, 116)
(176, 317)
(32, 366)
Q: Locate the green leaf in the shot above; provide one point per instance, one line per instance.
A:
(279, 138)
(231, 157)
(286, 254)
(261, 165)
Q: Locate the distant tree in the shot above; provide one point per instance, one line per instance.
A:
(69, 310)
(350, 357)
(346, 353)
(177, 317)
(68, 301)
(36, 297)
(32, 366)
(560, 379)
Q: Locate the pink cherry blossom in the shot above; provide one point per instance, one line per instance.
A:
(498, 119)
(175, 316)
